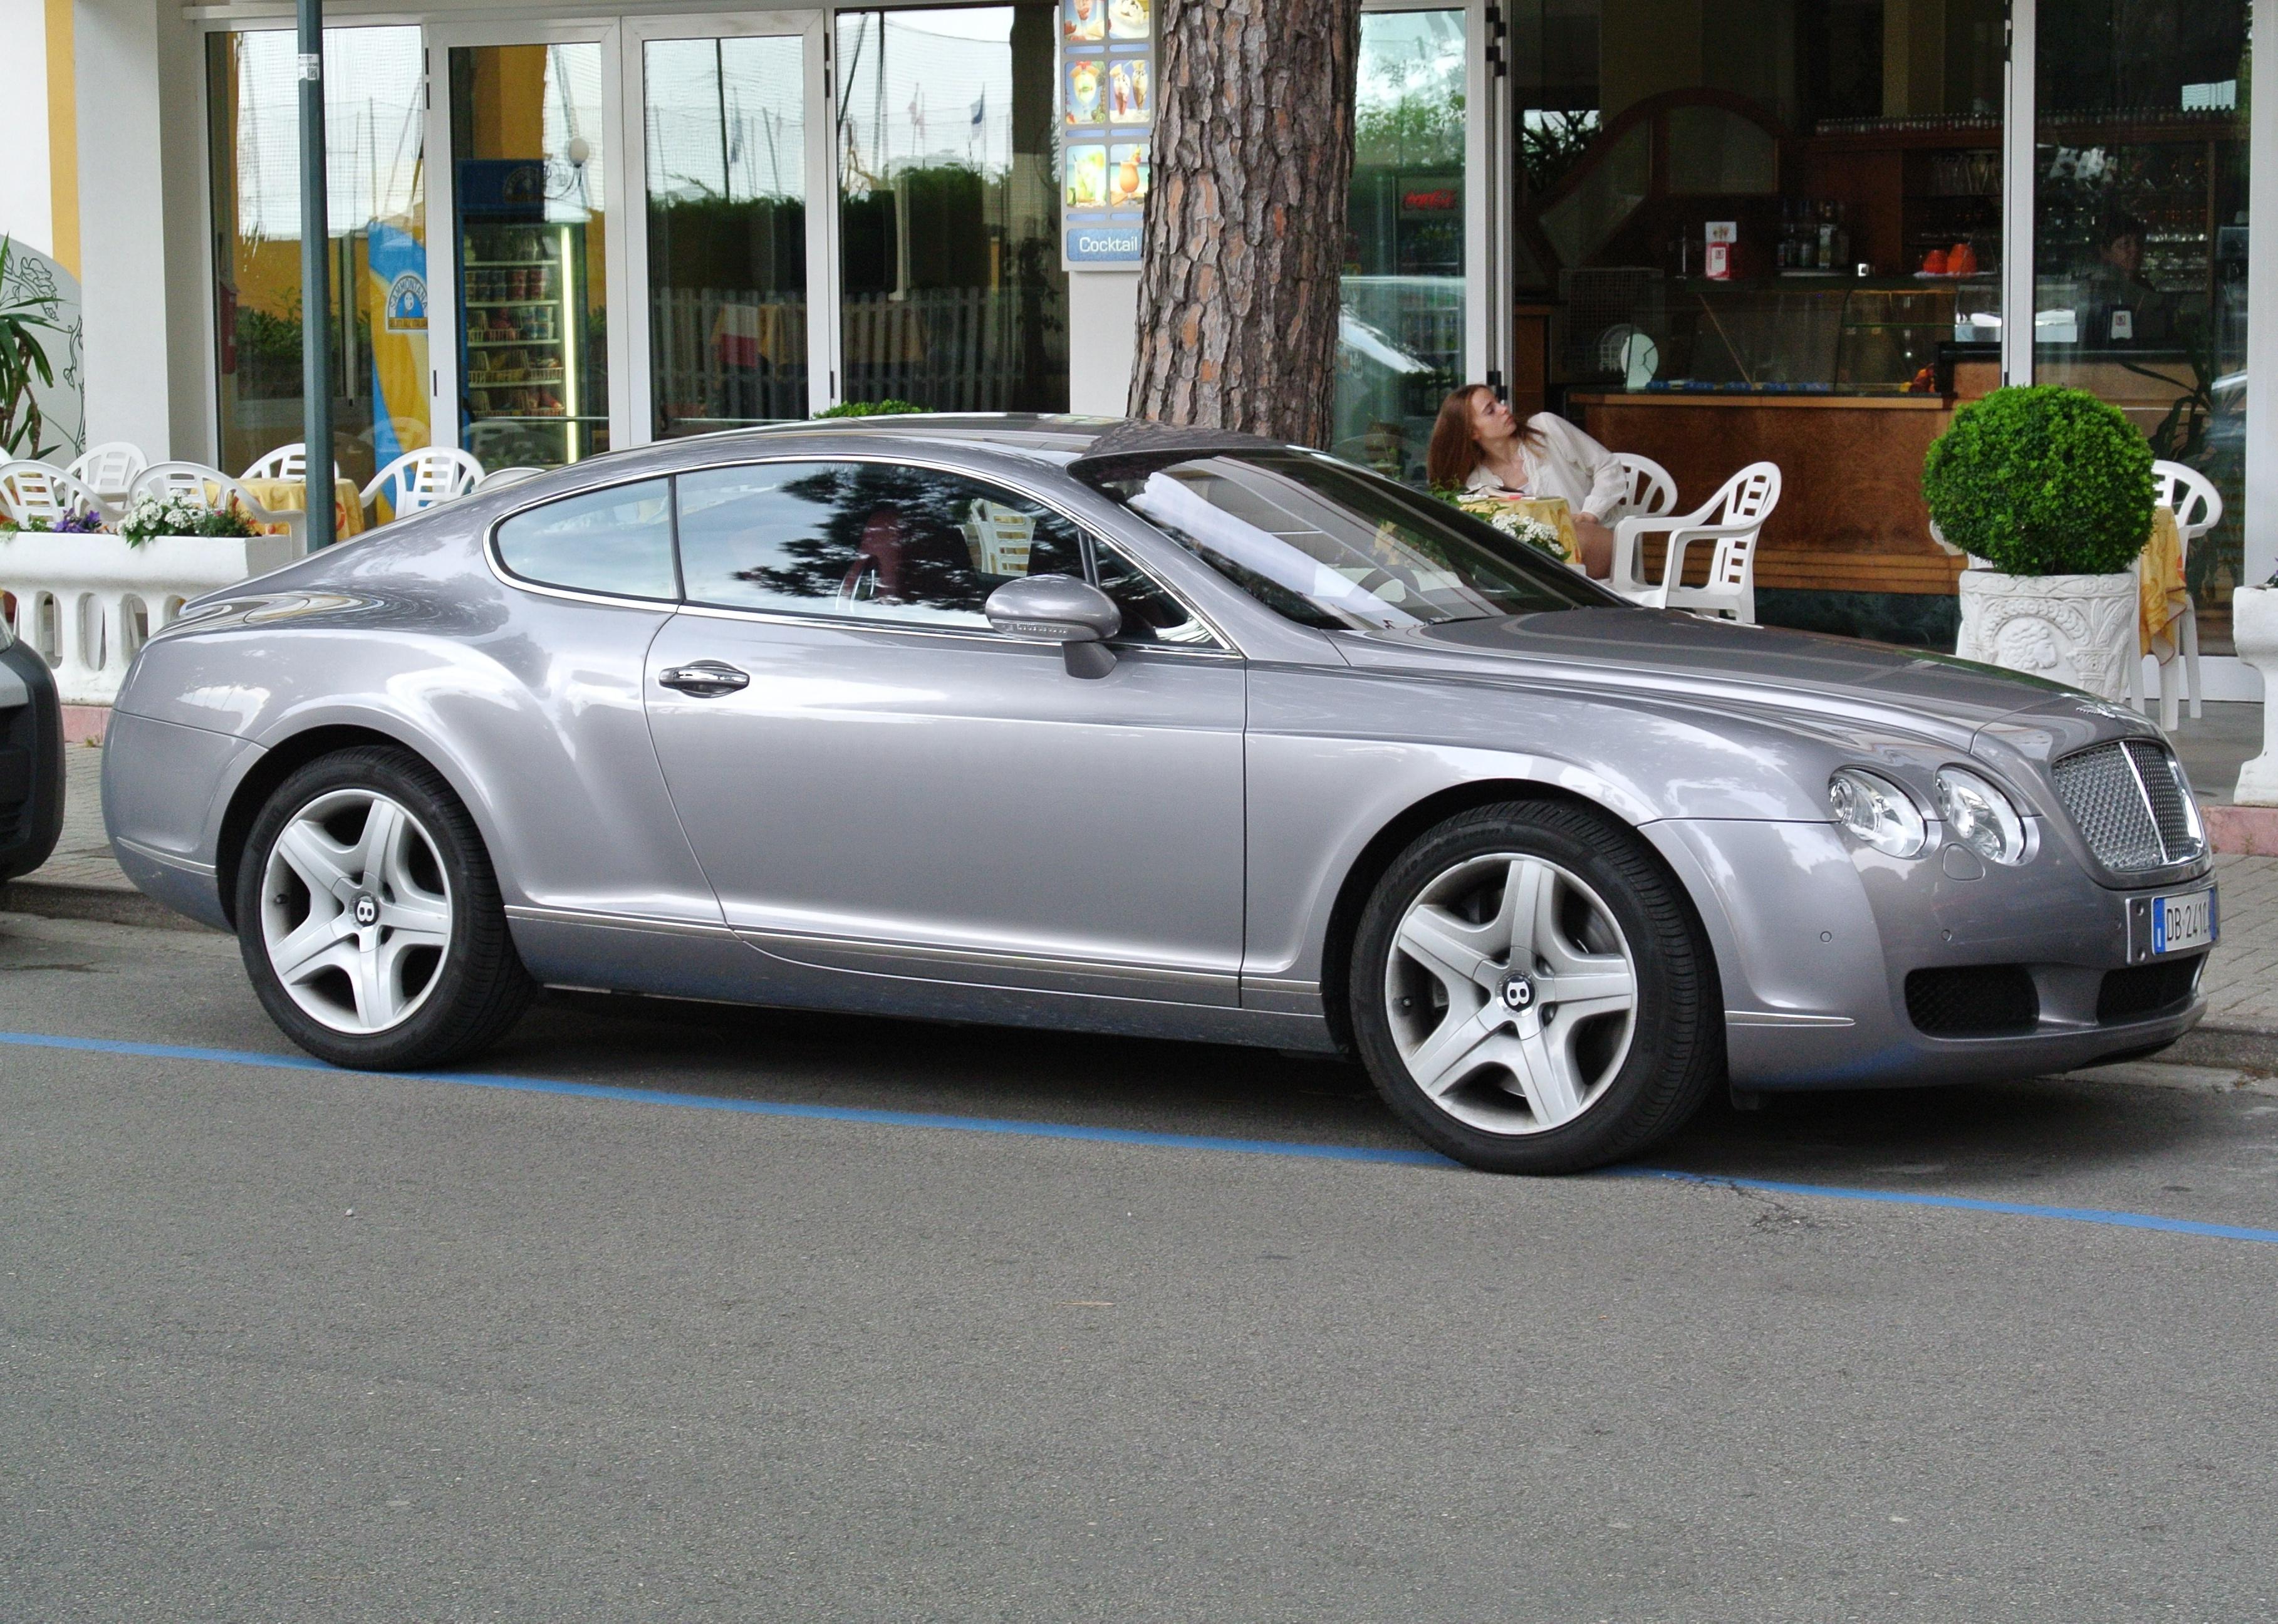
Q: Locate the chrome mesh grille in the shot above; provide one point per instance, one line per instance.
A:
(2179, 830)
(2130, 805)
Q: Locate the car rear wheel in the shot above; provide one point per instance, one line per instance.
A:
(369, 916)
(1532, 993)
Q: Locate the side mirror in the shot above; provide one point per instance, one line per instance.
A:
(1059, 609)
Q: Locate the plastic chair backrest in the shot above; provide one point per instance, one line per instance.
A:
(42, 491)
(109, 468)
(195, 483)
(2197, 504)
(1651, 490)
(425, 478)
(285, 463)
(1747, 496)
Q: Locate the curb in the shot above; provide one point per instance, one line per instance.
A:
(2241, 831)
(2236, 1048)
(104, 904)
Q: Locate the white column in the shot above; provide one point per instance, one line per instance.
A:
(1103, 340)
(187, 179)
(26, 208)
(2017, 197)
(2262, 322)
(122, 166)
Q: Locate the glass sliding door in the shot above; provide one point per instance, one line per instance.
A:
(1401, 335)
(2140, 241)
(724, 138)
(374, 319)
(530, 229)
(952, 294)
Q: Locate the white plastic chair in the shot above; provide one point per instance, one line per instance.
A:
(421, 479)
(109, 469)
(1651, 490)
(1733, 519)
(497, 477)
(2197, 507)
(285, 463)
(213, 490)
(40, 491)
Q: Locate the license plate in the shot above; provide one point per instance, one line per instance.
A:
(2181, 923)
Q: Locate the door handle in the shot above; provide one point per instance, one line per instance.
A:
(705, 680)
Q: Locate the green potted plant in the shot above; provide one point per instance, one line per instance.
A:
(2049, 492)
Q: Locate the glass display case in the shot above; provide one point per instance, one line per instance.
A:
(1851, 336)
(522, 368)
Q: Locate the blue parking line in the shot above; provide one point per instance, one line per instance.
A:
(1124, 1136)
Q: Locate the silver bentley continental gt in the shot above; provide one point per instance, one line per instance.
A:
(1131, 730)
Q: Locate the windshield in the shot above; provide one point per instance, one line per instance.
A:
(1332, 546)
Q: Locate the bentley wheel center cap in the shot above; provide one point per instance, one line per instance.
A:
(367, 910)
(1518, 993)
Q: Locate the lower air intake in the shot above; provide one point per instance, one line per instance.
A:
(1981, 1000)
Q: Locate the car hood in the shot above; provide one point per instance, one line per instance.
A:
(1672, 656)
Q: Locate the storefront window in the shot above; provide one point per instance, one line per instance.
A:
(1400, 344)
(952, 296)
(376, 315)
(727, 232)
(2140, 233)
(526, 150)
(1769, 230)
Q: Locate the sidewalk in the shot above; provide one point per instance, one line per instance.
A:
(81, 882)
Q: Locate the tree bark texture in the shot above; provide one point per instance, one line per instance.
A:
(1245, 232)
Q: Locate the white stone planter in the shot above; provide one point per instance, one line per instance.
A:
(87, 602)
(2079, 630)
(2254, 630)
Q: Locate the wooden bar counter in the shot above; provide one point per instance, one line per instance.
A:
(1851, 517)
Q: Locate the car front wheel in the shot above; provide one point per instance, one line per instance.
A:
(1531, 992)
(369, 916)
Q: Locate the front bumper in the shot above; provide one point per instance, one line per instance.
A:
(1815, 939)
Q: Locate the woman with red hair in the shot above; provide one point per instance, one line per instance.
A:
(1478, 444)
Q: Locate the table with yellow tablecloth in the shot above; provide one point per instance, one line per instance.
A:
(1551, 510)
(2165, 596)
(292, 496)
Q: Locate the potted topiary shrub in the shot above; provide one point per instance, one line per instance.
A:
(2049, 491)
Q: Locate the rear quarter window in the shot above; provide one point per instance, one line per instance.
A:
(617, 542)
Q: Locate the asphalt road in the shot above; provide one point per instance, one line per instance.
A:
(280, 1342)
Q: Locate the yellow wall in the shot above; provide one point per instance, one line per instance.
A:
(509, 102)
(63, 135)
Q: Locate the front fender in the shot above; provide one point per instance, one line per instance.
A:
(1335, 758)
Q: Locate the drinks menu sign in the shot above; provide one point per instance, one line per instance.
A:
(1107, 121)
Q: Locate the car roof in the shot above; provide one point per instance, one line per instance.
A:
(1049, 437)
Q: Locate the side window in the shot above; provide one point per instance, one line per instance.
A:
(1150, 614)
(617, 540)
(867, 540)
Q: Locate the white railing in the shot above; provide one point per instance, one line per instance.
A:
(87, 602)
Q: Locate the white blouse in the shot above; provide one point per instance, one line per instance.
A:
(1566, 463)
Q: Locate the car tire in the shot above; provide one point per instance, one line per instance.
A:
(1531, 991)
(369, 916)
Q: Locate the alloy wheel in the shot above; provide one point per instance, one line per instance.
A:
(356, 911)
(1512, 993)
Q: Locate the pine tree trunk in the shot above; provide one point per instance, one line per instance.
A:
(1245, 233)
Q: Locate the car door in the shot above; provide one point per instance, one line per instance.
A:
(878, 783)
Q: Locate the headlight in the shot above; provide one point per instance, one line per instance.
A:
(1876, 811)
(1980, 816)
